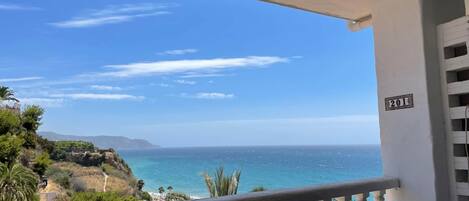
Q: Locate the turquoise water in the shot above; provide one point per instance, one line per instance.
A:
(271, 167)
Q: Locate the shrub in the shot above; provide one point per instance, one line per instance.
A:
(74, 146)
(78, 185)
(175, 196)
(9, 121)
(62, 149)
(258, 189)
(144, 195)
(112, 171)
(59, 176)
(30, 139)
(221, 184)
(100, 196)
(10, 147)
(41, 163)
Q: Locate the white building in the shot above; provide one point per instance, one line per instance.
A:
(423, 78)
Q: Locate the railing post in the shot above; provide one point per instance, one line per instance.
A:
(346, 198)
(362, 197)
(379, 195)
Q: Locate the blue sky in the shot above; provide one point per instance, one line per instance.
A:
(191, 72)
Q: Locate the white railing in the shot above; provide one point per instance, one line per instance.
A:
(357, 190)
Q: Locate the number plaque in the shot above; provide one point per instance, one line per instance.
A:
(399, 102)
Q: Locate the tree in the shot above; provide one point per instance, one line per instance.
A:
(17, 183)
(222, 185)
(6, 94)
(170, 188)
(161, 190)
(31, 118)
(140, 184)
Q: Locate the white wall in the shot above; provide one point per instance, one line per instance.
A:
(413, 140)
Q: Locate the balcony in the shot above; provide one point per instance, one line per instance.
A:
(358, 190)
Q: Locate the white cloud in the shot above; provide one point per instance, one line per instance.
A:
(186, 82)
(114, 14)
(190, 66)
(209, 96)
(94, 96)
(106, 88)
(178, 52)
(44, 102)
(164, 85)
(20, 79)
(201, 75)
(16, 7)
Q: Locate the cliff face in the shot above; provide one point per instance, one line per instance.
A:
(98, 158)
(79, 166)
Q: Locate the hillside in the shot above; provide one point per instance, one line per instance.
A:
(103, 142)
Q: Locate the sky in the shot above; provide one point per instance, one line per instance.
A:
(191, 72)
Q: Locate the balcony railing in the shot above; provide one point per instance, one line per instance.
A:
(358, 190)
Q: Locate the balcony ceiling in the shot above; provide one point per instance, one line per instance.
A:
(353, 10)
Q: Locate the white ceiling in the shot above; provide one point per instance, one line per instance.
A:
(346, 9)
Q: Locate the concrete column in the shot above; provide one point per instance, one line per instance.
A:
(413, 140)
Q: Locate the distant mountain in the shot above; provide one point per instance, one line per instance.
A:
(115, 142)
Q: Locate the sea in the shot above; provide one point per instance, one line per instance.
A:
(272, 167)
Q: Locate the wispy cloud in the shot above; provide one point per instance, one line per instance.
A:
(44, 102)
(178, 52)
(164, 85)
(201, 75)
(189, 66)
(4, 6)
(186, 82)
(20, 79)
(114, 14)
(105, 87)
(208, 96)
(95, 96)
(213, 95)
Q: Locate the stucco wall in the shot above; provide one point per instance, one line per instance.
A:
(413, 142)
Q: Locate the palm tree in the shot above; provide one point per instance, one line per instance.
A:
(17, 183)
(6, 94)
(161, 190)
(222, 185)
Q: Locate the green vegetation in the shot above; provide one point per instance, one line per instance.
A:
(17, 183)
(74, 146)
(161, 190)
(222, 185)
(9, 122)
(258, 189)
(175, 196)
(63, 149)
(100, 196)
(41, 163)
(59, 176)
(6, 94)
(144, 195)
(31, 118)
(24, 158)
(10, 147)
